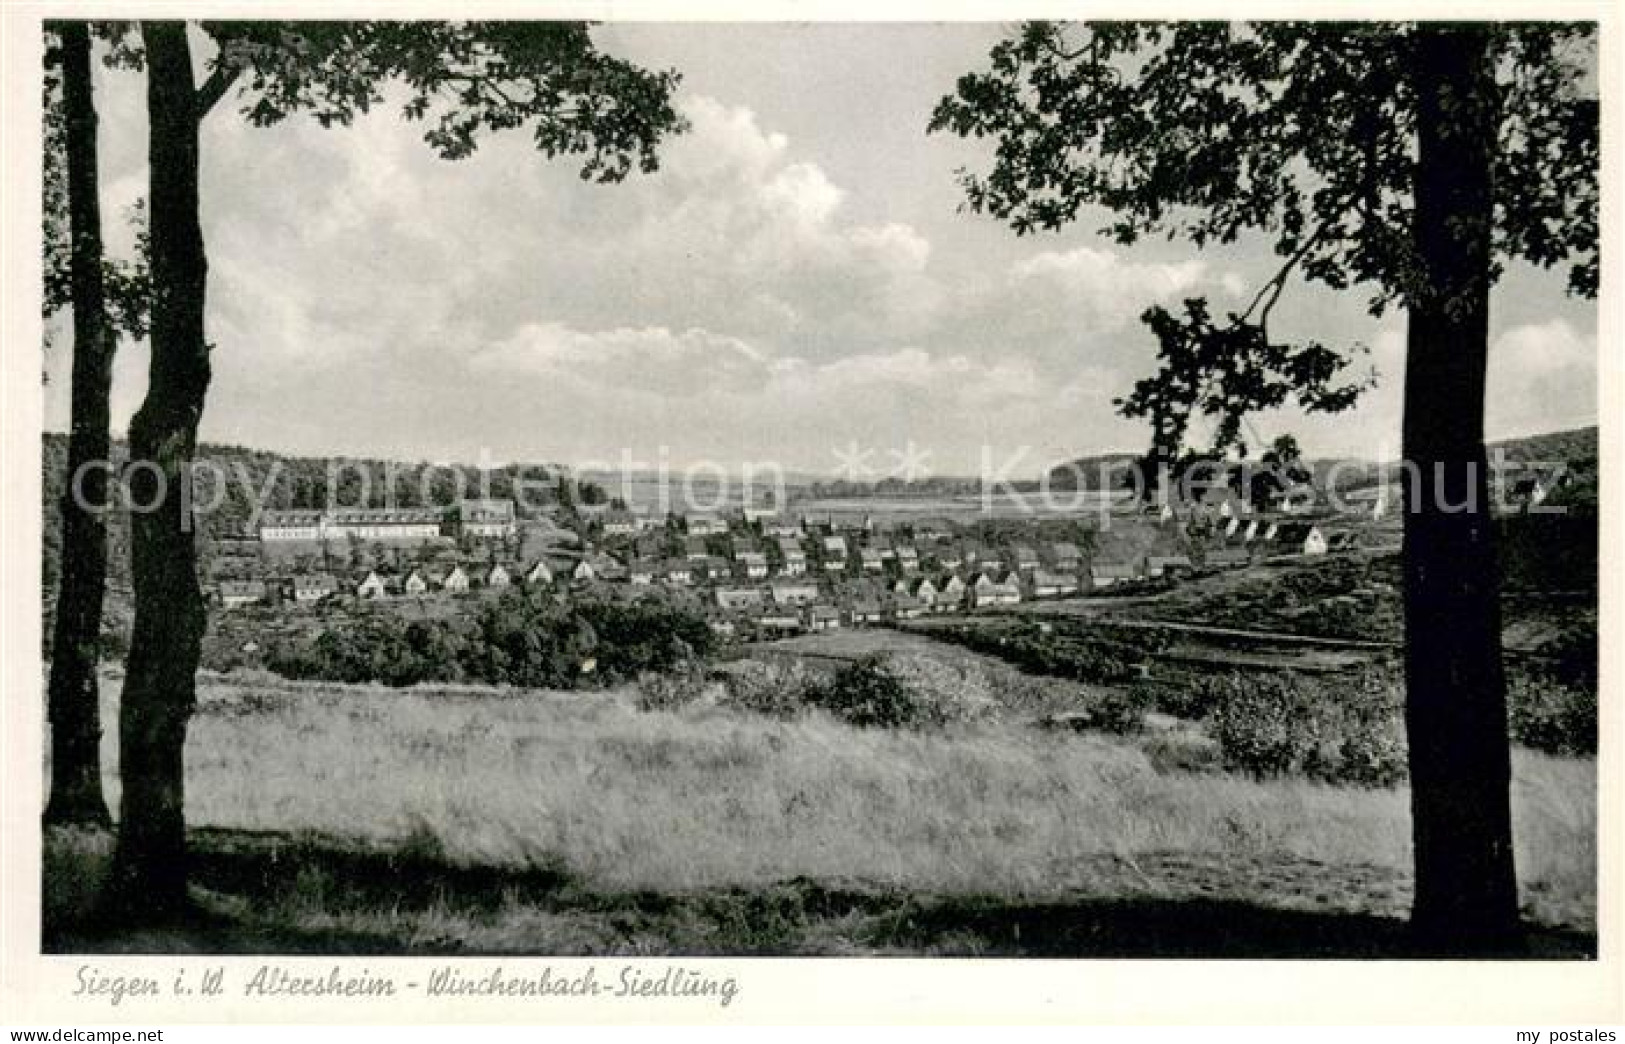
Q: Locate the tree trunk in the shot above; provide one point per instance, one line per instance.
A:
(72, 697)
(149, 872)
(1466, 891)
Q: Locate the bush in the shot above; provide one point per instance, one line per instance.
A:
(1348, 731)
(524, 639)
(867, 694)
(671, 690)
(1121, 712)
(774, 689)
(1548, 714)
(905, 692)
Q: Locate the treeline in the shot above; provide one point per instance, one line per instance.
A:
(531, 639)
(271, 481)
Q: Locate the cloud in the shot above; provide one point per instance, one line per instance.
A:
(1103, 286)
(1542, 377)
(650, 359)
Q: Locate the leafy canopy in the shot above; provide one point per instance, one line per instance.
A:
(1300, 132)
(464, 78)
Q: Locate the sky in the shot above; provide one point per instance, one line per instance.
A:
(797, 284)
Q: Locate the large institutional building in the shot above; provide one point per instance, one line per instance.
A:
(482, 518)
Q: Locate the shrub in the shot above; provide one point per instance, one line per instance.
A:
(867, 694)
(671, 690)
(1121, 712)
(775, 689)
(1347, 731)
(1547, 714)
(945, 692)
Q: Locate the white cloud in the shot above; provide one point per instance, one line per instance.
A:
(1542, 377)
(649, 359)
(1104, 285)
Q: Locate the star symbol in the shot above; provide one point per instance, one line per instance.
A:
(853, 461)
(910, 462)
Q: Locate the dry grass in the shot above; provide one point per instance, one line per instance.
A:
(705, 799)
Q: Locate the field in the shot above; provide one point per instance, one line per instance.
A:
(458, 819)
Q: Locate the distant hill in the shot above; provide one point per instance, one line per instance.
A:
(1576, 450)
(280, 482)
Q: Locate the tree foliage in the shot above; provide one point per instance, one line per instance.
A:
(1304, 133)
(125, 280)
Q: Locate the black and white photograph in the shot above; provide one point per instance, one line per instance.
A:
(661, 491)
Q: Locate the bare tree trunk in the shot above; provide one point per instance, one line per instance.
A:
(72, 697)
(1466, 890)
(149, 873)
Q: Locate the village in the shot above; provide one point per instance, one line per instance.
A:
(753, 574)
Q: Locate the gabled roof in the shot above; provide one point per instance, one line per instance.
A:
(1294, 532)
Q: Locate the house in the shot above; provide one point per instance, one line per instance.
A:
(738, 599)
(711, 567)
(314, 587)
(497, 576)
(237, 593)
(754, 564)
(641, 572)
(677, 571)
(785, 528)
(415, 584)
(485, 518)
(1299, 538)
(1227, 558)
(988, 590)
(873, 561)
(834, 553)
(1167, 565)
(740, 545)
(1231, 527)
(1048, 585)
(1024, 558)
(858, 521)
(621, 523)
(721, 626)
(823, 618)
(372, 586)
(539, 573)
(864, 612)
(1269, 533)
(456, 581)
(779, 619)
(925, 591)
(795, 594)
(1250, 533)
(908, 559)
(932, 529)
(606, 567)
(1345, 540)
(1067, 557)
(1109, 574)
(706, 525)
(907, 607)
(795, 559)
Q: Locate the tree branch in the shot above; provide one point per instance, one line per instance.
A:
(215, 87)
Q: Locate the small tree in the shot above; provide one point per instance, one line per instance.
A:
(1411, 159)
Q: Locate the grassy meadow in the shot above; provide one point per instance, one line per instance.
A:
(463, 819)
